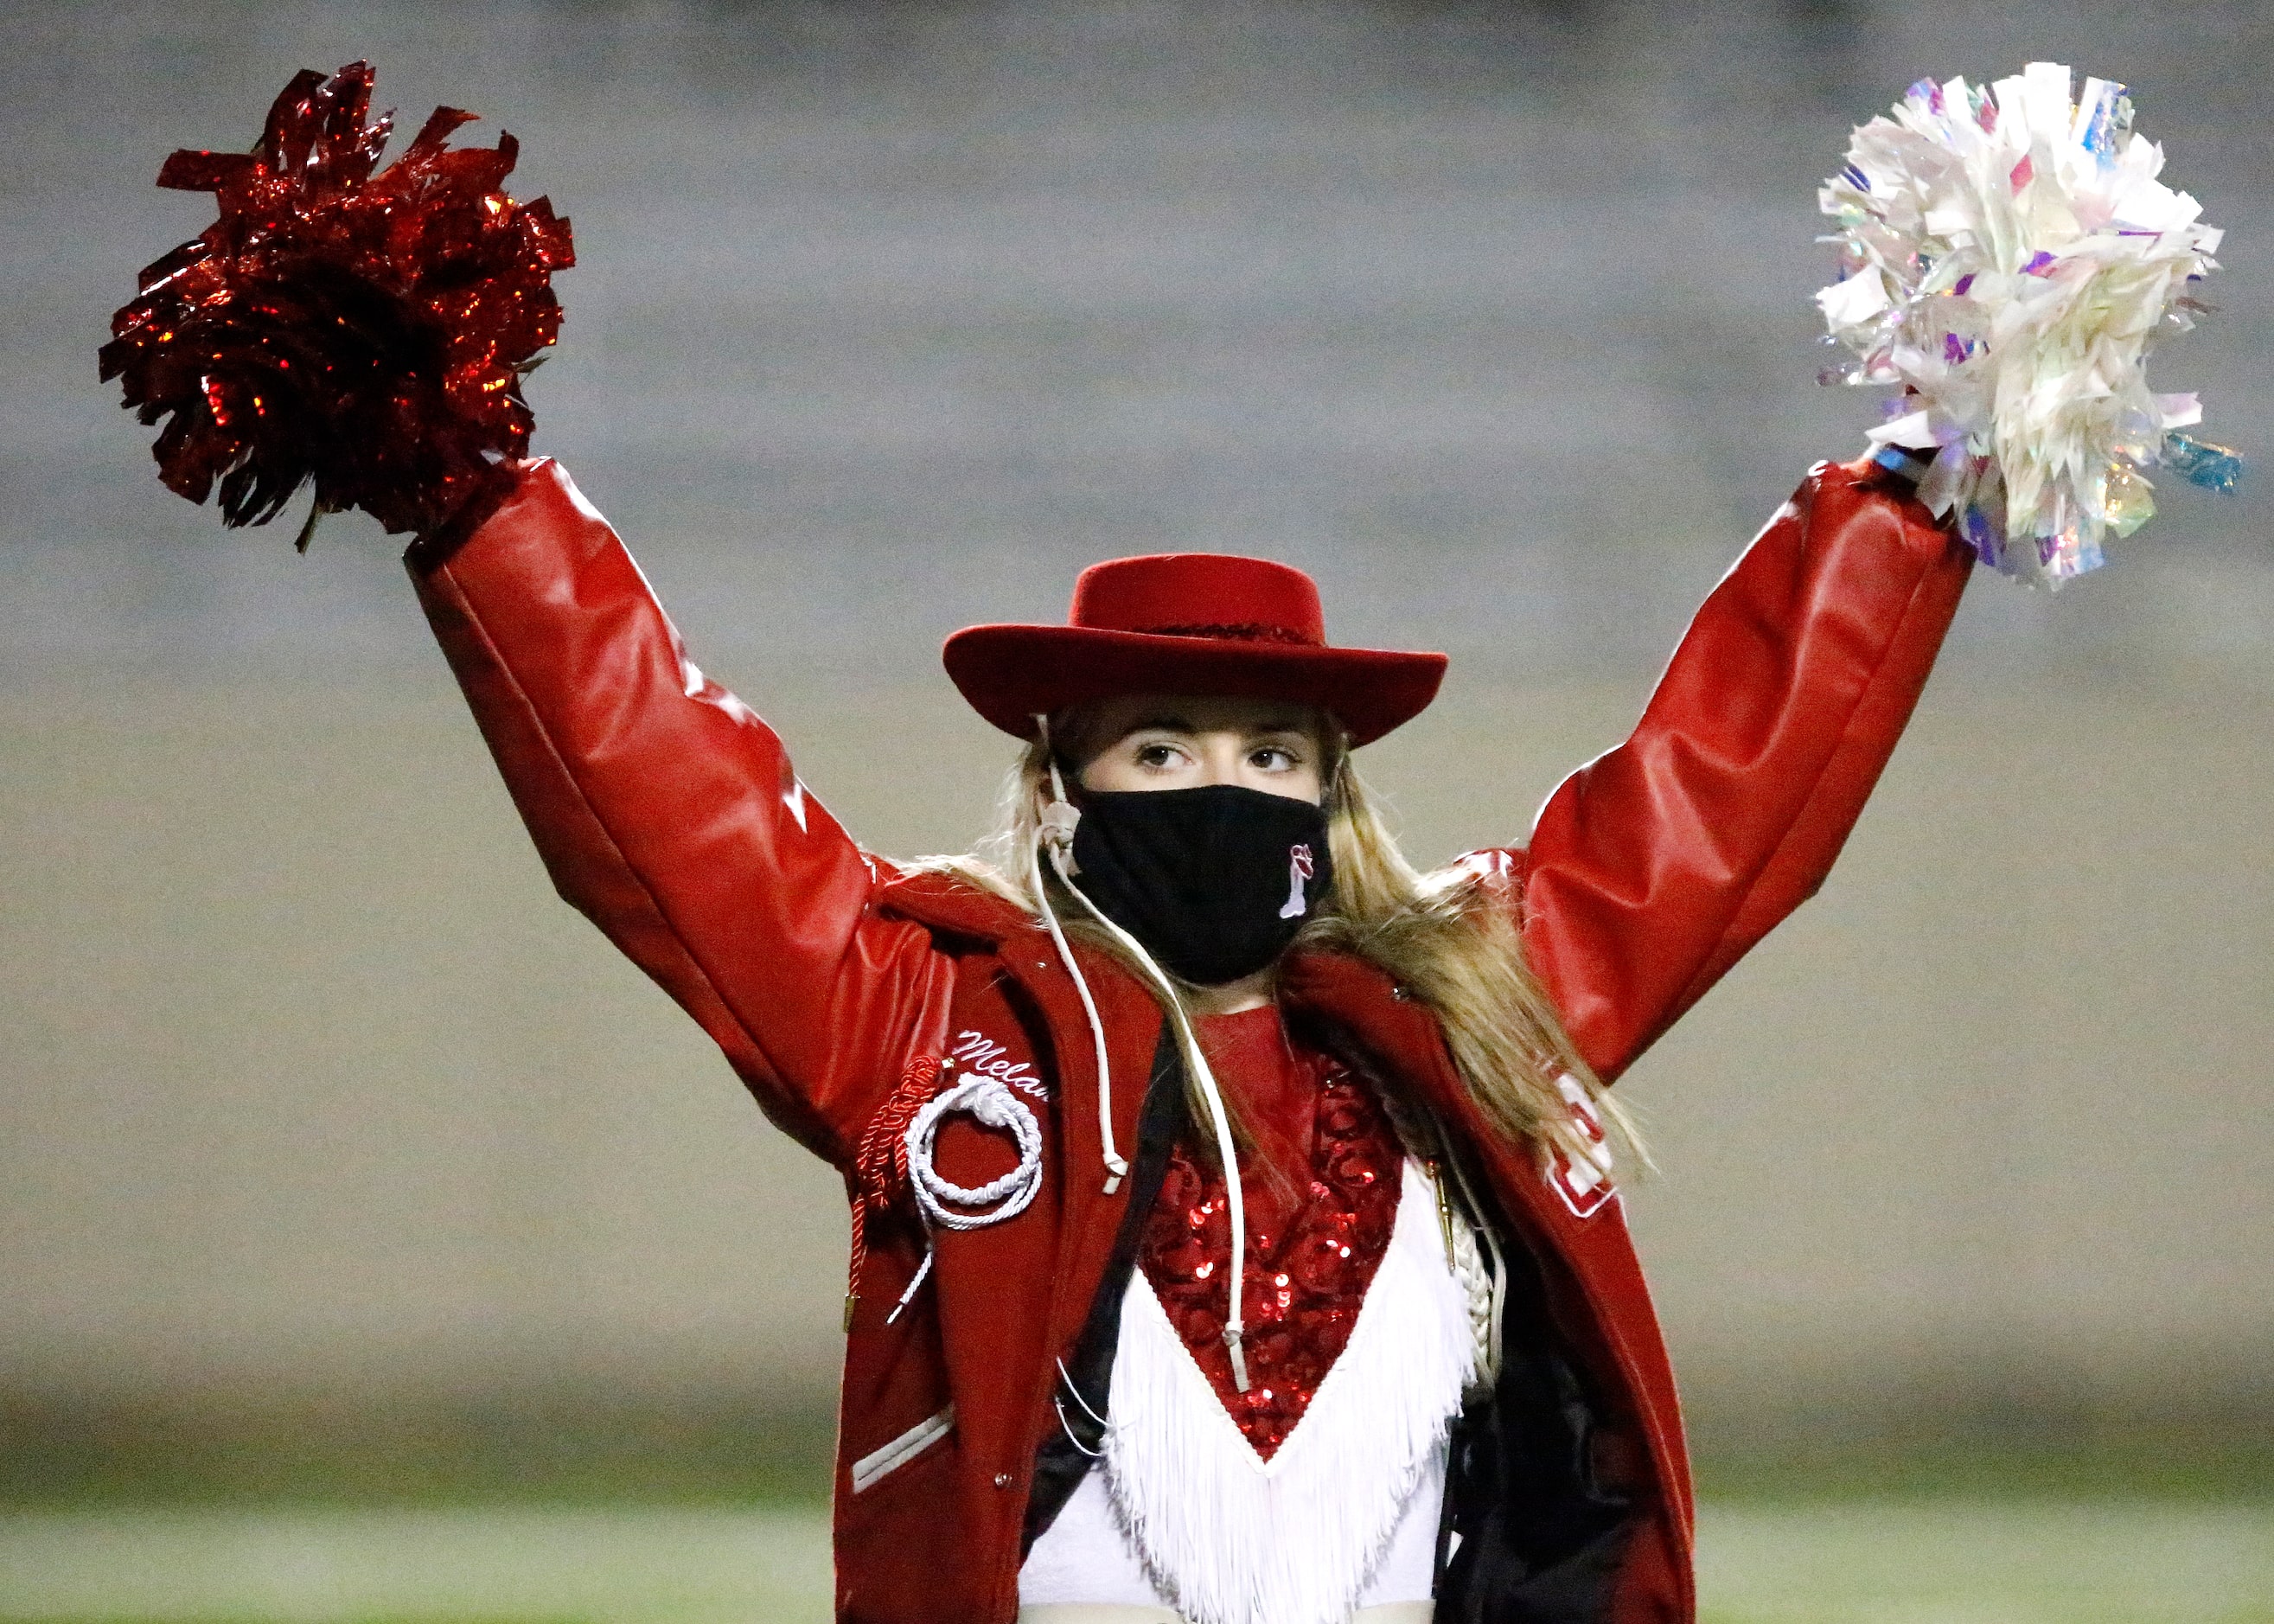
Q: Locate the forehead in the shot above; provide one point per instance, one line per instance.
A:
(1109, 719)
(1101, 724)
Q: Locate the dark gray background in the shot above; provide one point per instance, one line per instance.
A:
(890, 317)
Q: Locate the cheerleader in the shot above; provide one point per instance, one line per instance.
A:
(1236, 1227)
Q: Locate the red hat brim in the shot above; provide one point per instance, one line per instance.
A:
(1011, 673)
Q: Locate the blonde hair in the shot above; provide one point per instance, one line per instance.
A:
(1449, 937)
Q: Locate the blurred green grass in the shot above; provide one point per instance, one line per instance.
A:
(340, 1564)
(543, 1446)
(563, 1507)
(1836, 1562)
(569, 1446)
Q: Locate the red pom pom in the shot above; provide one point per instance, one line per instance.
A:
(365, 331)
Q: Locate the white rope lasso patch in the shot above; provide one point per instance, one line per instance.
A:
(946, 1205)
(949, 1206)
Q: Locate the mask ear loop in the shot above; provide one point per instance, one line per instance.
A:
(1054, 834)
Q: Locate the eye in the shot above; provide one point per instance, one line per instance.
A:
(1157, 755)
(1273, 758)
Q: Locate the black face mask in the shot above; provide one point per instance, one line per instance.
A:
(1214, 881)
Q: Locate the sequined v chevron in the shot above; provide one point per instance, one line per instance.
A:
(1315, 1234)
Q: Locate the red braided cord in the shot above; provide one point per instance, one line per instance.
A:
(880, 1167)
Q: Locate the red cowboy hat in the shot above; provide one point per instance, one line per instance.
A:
(1190, 624)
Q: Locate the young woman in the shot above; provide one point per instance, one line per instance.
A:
(1236, 1236)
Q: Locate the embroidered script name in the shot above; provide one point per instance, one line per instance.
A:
(976, 1053)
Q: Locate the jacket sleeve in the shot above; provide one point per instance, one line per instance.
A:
(668, 813)
(1652, 870)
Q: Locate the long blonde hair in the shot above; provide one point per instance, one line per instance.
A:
(1449, 937)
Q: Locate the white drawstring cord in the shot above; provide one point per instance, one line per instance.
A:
(1055, 834)
(1058, 1404)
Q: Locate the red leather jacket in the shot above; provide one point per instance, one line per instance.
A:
(668, 813)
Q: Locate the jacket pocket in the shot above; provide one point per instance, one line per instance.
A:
(878, 1464)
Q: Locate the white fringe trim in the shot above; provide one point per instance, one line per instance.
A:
(1235, 1539)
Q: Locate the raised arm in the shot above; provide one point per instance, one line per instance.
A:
(668, 813)
(1653, 869)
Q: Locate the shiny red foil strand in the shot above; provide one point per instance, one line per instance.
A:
(1306, 1274)
(365, 330)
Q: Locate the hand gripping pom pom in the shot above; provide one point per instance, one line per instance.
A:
(368, 332)
(2007, 258)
